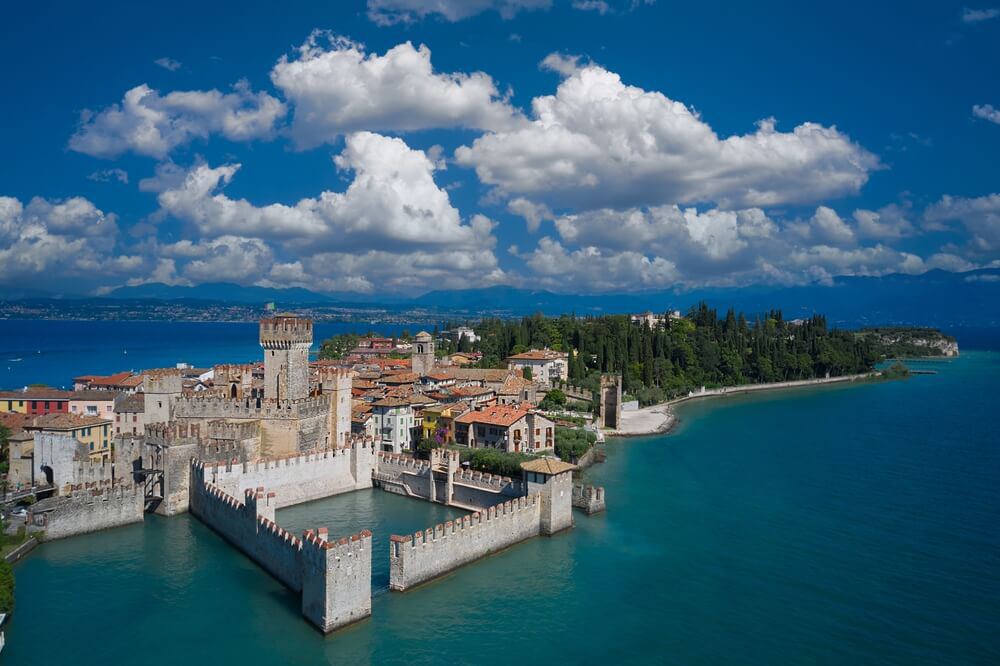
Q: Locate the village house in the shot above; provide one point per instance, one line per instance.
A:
(510, 428)
(93, 403)
(393, 423)
(546, 366)
(129, 413)
(93, 432)
(464, 358)
(439, 421)
(516, 390)
(104, 382)
(34, 401)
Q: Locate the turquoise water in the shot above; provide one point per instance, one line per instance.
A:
(831, 526)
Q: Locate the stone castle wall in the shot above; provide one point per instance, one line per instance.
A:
(68, 459)
(406, 475)
(299, 478)
(220, 407)
(334, 579)
(434, 552)
(84, 510)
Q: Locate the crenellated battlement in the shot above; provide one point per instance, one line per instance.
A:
(88, 507)
(231, 371)
(588, 498)
(283, 331)
(491, 482)
(334, 577)
(238, 431)
(175, 433)
(414, 559)
(162, 380)
(334, 373)
(401, 462)
(220, 407)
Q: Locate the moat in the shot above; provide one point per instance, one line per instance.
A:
(765, 529)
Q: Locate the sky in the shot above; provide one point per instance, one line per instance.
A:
(400, 146)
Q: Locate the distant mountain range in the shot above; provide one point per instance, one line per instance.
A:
(228, 292)
(935, 298)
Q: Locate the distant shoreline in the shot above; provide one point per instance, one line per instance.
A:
(660, 418)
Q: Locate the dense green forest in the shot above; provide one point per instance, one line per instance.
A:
(701, 349)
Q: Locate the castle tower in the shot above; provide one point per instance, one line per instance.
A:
(159, 389)
(423, 354)
(553, 480)
(336, 382)
(286, 340)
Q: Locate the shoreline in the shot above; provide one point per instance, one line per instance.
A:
(660, 418)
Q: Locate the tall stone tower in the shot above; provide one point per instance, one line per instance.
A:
(159, 390)
(336, 383)
(286, 340)
(423, 353)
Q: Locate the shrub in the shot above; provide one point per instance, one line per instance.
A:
(6, 587)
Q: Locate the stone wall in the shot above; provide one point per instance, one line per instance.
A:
(66, 460)
(299, 478)
(334, 579)
(88, 510)
(588, 498)
(434, 552)
(406, 475)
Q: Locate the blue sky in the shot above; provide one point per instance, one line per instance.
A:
(396, 146)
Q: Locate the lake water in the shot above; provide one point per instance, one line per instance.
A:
(839, 525)
(53, 352)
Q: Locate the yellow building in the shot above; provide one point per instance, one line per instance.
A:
(91, 431)
(441, 419)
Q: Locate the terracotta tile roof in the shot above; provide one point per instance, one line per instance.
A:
(391, 402)
(496, 375)
(135, 404)
(538, 355)
(547, 466)
(469, 391)
(64, 422)
(36, 393)
(438, 376)
(109, 380)
(499, 415)
(93, 395)
(403, 378)
(514, 385)
(14, 420)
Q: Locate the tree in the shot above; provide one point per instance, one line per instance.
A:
(338, 346)
(526, 372)
(6, 587)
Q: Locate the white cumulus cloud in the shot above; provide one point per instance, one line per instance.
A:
(598, 142)
(151, 124)
(337, 88)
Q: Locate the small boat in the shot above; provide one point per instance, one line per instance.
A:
(15, 360)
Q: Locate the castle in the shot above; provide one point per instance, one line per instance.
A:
(261, 441)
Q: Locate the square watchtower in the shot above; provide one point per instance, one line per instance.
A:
(286, 339)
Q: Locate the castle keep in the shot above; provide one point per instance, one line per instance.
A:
(258, 442)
